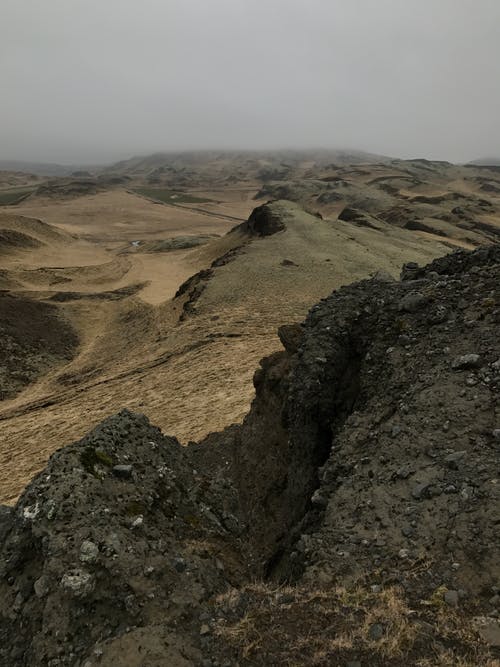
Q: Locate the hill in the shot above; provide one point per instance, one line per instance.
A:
(39, 168)
(350, 518)
(486, 162)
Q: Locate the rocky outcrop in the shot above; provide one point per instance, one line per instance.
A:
(370, 453)
(264, 220)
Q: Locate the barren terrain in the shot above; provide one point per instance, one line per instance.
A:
(108, 260)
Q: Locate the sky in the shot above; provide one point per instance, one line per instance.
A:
(94, 81)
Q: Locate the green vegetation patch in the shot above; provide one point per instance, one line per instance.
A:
(170, 196)
(91, 457)
(179, 243)
(10, 197)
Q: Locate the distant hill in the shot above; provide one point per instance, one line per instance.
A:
(486, 162)
(202, 168)
(41, 168)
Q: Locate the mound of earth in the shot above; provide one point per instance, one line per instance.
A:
(364, 476)
(11, 239)
(36, 231)
(33, 338)
(68, 188)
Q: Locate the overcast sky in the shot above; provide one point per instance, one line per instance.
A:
(98, 80)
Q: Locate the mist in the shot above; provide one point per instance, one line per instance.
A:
(92, 81)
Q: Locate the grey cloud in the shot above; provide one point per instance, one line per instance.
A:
(98, 80)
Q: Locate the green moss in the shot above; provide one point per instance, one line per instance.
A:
(14, 196)
(90, 457)
(170, 196)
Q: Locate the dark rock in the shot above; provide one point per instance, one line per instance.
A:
(451, 598)
(122, 471)
(467, 361)
(291, 336)
(376, 632)
(265, 220)
(412, 302)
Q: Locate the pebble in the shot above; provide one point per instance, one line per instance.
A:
(412, 302)
(318, 499)
(376, 631)
(489, 629)
(454, 458)
(78, 582)
(122, 471)
(137, 522)
(466, 361)
(285, 598)
(204, 630)
(405, 471)
(420, 490)
(89, 552)
(41, 586)
(180, 564)
(451, 598)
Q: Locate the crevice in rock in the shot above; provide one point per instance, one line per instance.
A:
(335, 404)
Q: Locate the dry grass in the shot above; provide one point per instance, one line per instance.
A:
(265, 625)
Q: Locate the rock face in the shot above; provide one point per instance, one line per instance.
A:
(367, 449)
(264, 221)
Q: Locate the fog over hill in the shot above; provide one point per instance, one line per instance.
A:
(95, 84)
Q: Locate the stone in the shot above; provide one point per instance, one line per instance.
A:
(122, 471)
(451, 598)
(405, 471)
(42, 586)
(466, 361)
(204, 630)
(489, 629)
(89, 552)
(376, 632)
(318, 499)
(137, 522)
(420, 491)
(180, 564)
(412, 302)
(291, 337)
(78, 583)
(438, 315)
(454, 458)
